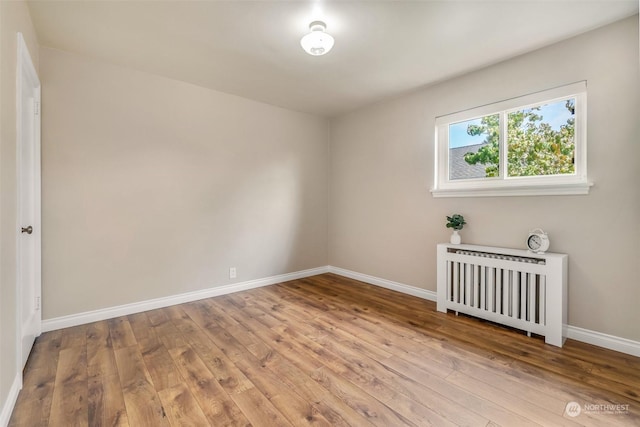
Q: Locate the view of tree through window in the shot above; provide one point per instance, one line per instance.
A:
(464, 140)
(539, 141)
(534, 144)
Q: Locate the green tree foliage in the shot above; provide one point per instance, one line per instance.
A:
(534, 148)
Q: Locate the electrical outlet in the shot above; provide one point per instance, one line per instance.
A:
(232, 273)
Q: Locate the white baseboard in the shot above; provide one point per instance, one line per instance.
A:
(137, 307)
(611, 342)
(10, 401)
(384, 283)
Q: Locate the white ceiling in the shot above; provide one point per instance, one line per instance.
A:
(252, 48)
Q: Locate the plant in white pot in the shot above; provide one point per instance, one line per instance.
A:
(456, 221)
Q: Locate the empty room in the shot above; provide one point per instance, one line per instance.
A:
(332, 213)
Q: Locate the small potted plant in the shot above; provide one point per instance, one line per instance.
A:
(455, 221)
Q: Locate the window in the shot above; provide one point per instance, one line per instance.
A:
(530, 145)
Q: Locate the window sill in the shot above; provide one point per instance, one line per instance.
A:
(524, 190)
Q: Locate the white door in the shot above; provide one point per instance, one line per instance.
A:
(28, 176)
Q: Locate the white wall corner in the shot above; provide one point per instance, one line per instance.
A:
(138, 307)
(599, 339)
(10, 402)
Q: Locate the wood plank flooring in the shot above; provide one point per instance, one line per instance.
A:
(322, 351)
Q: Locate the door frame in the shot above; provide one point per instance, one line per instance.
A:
(27, 77)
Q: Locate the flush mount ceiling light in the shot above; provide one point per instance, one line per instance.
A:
(317, 42)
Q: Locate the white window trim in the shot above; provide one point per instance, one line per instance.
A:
(575, 184)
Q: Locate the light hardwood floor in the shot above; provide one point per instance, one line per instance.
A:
(325, 350)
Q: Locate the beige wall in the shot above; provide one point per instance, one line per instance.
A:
(14, 18)
(385, 223)
(154, 187)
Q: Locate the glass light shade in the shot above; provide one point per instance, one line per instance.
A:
(317, 42)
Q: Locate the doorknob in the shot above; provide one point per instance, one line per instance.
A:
(27, 230)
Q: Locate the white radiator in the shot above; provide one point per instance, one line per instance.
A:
(514, 287)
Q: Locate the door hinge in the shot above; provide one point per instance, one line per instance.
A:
(37, 303)
(36, 106)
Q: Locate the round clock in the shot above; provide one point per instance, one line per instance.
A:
(538, 241)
